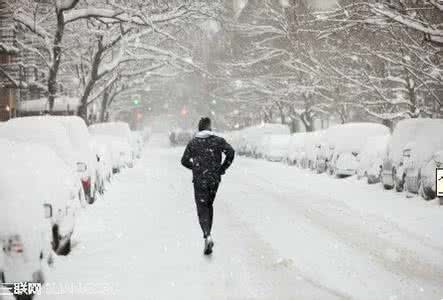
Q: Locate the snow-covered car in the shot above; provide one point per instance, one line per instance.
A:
(275, 147)
(429, 177)
(345, 142)
(412, 146)
(119, 152)
(33, 177)
(295, 148)
(121, 141)
(253, 138)
(46, 131)
(85, 158)
(370, 159)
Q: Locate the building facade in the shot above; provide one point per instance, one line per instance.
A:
(9, 64)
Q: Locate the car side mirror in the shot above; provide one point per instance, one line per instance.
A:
(48, 210)
(98, 158)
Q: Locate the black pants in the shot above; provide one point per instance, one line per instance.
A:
(204, 199)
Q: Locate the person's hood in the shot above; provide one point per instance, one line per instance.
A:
(204, 134)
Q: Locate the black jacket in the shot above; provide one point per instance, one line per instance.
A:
(203, 155)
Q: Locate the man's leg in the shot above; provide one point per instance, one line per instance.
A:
(212, 193)
(202, 201)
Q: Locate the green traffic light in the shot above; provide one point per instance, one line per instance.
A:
(136, 102)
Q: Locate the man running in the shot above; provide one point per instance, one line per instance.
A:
(203, 155)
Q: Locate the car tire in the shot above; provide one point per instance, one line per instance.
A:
(398, 185)
(38, 277)
(101, 189)
(91, 199)
(427, 192)
(440, 200)
(387, 186)
(65, 249)
(59, 250)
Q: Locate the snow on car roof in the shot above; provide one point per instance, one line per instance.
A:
(376, 145)
(423, 136)
(43, 130)
(116, 129)
(353, 136)
(279, 139)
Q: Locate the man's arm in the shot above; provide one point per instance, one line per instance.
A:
(186, 158)
(229, 153)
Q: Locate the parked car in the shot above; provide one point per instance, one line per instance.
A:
(34, 177)
(413, 144)
(85, 158)
(429, 178)
(370, 159)
(119, 152)
(252, 138)
(121, 140)
(275, 147)
(345, 142)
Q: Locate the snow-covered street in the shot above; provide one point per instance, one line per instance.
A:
(280, 233)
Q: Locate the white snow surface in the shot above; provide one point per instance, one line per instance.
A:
(352, 136)
(116, 129)
(280, 233)
(42, 130)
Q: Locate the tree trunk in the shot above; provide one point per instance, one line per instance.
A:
(306, 118)
(104, 106)
(83, 109)
(293, 126)
(57, 53)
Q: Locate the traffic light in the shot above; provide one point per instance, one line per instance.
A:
(136, 102)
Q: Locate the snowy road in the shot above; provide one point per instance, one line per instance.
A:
(280, 233)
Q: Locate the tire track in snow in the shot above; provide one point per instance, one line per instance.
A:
(331, 215)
